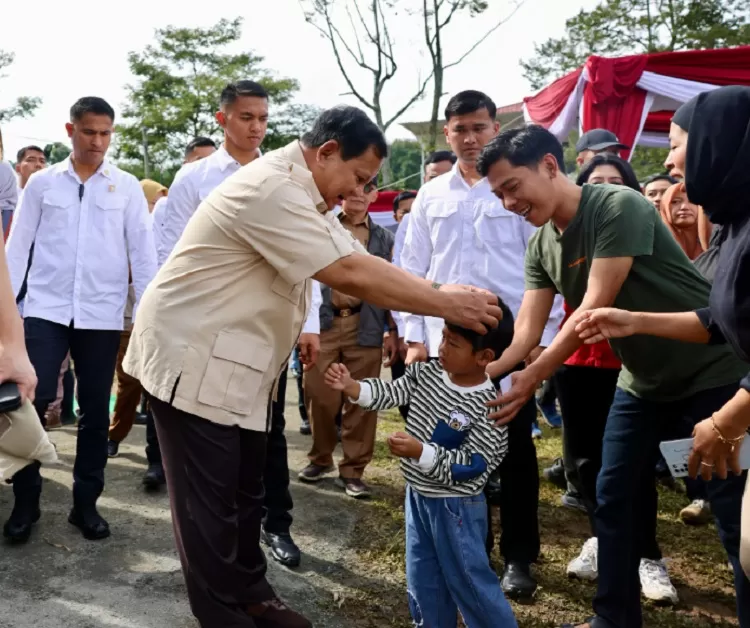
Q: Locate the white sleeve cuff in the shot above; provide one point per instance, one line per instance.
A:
(365, 395)
(414, 328)
(426, 461)
(312, 324)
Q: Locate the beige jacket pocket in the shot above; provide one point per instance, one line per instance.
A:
(235, 372)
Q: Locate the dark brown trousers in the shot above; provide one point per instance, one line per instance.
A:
(215, 480)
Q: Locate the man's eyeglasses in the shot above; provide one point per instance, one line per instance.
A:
(370, 187)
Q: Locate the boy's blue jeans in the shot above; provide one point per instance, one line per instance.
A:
(447, 569)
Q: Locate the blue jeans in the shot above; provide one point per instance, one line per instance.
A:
(447, 569)
(630, 451)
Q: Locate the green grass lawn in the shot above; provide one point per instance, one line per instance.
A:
(696, 560)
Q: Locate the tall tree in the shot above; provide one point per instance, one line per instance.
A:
(56, 152)
(361, 41)
(617, 27)
(24, 105)
(437, 15)
(176, 94)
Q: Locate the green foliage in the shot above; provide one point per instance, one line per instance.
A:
(25, 105)
(57, 152)
(619, 27)
(406, 161)
(179, 79)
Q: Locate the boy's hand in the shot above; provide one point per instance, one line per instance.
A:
(338, 377)
(404, 446)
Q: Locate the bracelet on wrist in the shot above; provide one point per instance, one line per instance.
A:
(732, 442)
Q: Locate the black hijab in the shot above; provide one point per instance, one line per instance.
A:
(717, 173)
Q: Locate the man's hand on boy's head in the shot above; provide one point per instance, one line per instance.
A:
(404, 446)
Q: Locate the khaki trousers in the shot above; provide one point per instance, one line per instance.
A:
(128, 396)
(339, 344)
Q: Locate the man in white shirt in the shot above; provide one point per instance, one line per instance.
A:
(8, 193)
(30, 159)
(243, 115)
(88, 221)
(199, 148)
(459, 232)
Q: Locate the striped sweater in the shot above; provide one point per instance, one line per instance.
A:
(461, 446)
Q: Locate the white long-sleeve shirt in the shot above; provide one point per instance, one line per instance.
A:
(462, 234)
(398, 246)
(192, 184)
(312, 322)
(85, 235)
(157, 215)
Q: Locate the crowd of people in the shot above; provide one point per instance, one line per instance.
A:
(505, 278)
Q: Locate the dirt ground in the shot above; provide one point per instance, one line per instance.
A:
(352, 572)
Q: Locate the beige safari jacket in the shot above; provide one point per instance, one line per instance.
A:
(220, 319)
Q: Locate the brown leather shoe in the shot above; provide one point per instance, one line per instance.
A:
(274, 613)
(314, 473)
(52, 419)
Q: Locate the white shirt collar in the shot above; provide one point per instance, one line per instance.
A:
(457, 179)
(105, 169)
(224, 159)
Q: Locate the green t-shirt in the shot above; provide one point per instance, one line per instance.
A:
(614, 221)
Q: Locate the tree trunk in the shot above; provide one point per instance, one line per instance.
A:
(436, 95)
(386, 174)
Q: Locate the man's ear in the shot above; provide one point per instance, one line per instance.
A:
(328, 150)
(221, 118)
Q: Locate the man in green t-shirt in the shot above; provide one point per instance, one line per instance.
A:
(603, 246)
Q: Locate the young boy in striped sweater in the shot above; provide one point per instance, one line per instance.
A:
(448, 451)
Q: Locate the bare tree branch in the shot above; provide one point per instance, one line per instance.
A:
(409, 103)
(481, 40)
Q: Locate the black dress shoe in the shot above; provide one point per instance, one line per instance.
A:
(517, 581)
(154, 478)
(305, 428)
(91, 524)
(283, 549)
(17, 528)
(556, 474)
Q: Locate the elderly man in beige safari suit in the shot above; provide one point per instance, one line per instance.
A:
(217, 325)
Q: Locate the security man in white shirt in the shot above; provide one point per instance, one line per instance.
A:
(88, 221)
(459, 232)
(198, 148)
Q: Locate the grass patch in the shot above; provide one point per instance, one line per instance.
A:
(697, 562)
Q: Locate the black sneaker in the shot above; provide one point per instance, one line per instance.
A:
(91, 524)
(113, 449)
(556, 474)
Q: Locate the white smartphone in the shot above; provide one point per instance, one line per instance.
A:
(677, 452)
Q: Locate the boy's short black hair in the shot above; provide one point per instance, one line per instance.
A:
(404, 196)
(524, 147)
(498, 339)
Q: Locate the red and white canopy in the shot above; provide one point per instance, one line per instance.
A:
(635, 96)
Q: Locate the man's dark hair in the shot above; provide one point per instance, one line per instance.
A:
(91, 104)
(22, 153)
(197, 143)
(660, 177)
(525, 146)
(629, 178)
(498, 339)
(238, 89)
(440, 155)
(404, 196)
(351, 128)
(469, 102)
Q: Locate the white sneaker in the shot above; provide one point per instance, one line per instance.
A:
(655, 582)
(584, 566)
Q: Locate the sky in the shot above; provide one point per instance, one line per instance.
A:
(83, 52)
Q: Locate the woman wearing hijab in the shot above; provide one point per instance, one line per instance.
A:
(710, 144)
(683, 221)
(153, 191)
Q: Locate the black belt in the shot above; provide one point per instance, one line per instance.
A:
(347, 311)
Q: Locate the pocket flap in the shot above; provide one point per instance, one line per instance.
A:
(111, 201)
(242, 349)
(441, 209)
(495, 210)
(56, 198)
